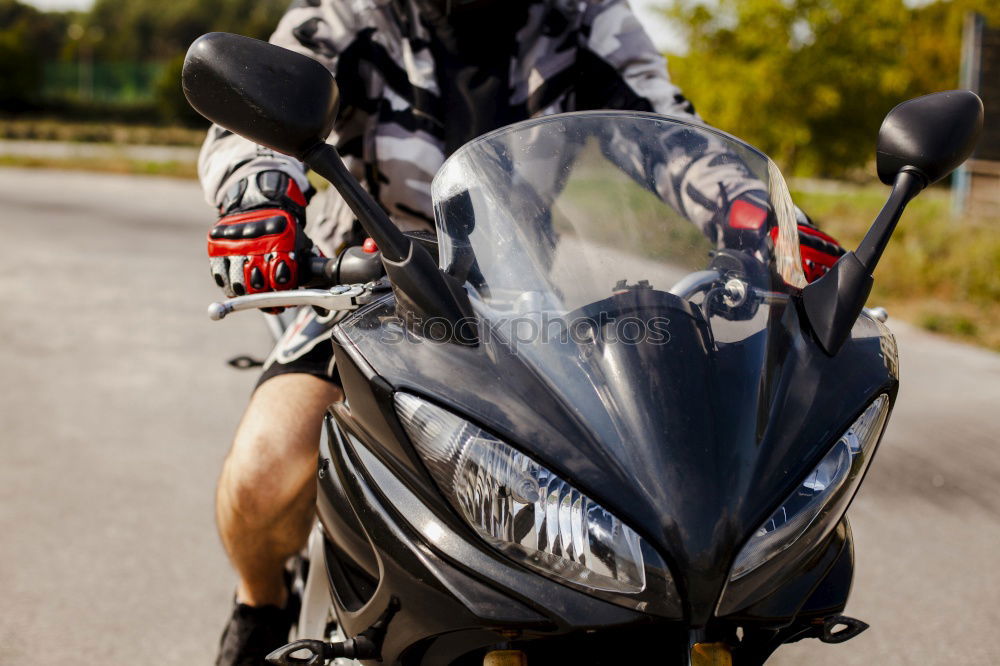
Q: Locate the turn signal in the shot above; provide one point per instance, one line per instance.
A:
(711, 654)
(506, 658)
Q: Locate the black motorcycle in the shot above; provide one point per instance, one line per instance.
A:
(578, 426)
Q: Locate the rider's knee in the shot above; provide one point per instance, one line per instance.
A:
(275, 450)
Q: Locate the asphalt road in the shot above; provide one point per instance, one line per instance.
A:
(116, 409)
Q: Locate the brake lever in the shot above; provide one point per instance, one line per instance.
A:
(339, 298)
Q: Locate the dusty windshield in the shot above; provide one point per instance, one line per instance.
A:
(568, 210)
(622, 255)
(582, 254)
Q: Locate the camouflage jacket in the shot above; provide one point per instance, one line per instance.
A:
(565, 55)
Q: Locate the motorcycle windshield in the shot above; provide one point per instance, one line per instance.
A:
(562, 221)
(640, 266)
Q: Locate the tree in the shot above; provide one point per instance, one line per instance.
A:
(155, 30)
(809, 81)
(27, 37)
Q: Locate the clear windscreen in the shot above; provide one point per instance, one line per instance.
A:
(567, 210)
(626, 257)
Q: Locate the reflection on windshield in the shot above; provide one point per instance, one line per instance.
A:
(564, 209)
(610, 294)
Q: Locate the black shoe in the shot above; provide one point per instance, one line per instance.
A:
(252, 634)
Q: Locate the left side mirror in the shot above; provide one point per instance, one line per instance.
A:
(288, 102)
(921, 141)
(270, 95)
(933, 134)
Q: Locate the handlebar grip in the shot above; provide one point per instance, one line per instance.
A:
(352, 266)
(323, 269)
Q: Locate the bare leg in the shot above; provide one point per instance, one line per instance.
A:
(267, 491)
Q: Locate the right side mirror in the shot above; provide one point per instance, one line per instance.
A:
(933, 134)
(270, 95)
(921, 141)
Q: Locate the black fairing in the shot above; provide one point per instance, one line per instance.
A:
(475, 592)
(718, 434)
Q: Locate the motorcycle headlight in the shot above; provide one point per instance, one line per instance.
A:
(528, 513)
(820, 501)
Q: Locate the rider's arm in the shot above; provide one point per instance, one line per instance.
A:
(620, 67)
(633, 76)
(258, 243)
(320, 32)
(712, 187)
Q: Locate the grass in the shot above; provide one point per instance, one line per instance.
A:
(104, 165)
(940, 273)
(21, 129)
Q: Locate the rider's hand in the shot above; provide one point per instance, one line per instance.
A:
(819, 251)
(746, 219)
(259, 244)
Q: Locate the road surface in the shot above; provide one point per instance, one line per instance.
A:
(116, 409)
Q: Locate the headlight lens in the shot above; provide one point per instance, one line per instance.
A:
(520, 507)
(827, 489)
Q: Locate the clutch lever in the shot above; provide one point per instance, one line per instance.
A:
(342, 297)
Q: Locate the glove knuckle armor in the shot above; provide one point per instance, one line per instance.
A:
(254, 245)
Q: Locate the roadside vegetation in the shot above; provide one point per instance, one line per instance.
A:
(939, 272)
(120, 61)
(809, 81)
(122, 165)
(56, 129)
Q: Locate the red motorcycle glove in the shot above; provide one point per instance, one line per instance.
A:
(259, 244)
(746, 220)
(819, 251)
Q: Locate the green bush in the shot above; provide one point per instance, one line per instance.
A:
(938, 271)
(27, 37)
(20, 72)
(171, 104)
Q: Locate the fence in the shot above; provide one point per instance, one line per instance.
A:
(976, 187)
(104, 82)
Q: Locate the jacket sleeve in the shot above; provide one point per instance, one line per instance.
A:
(320, 30)
(632, 75)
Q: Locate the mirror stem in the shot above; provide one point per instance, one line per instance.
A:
(834, 302)
(424, 294)
(324, 160)
(909, 182)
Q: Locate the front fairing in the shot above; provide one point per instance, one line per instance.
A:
(692, 432)
(695, 496)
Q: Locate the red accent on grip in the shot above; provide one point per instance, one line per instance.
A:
(280, 242)
(745, 215)
(264, 253)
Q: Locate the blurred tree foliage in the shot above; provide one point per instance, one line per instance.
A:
(171, 105)
(158, 30)
(27, 38)
(117, 31)
(153, 30)
(809, 81)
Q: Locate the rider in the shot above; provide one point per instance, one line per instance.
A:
(417, 78)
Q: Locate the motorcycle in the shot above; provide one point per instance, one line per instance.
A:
(576, 429)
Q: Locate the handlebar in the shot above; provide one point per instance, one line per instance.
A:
(352, 266)
(345, 282)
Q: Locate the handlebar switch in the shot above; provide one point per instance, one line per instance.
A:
(356, 265)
